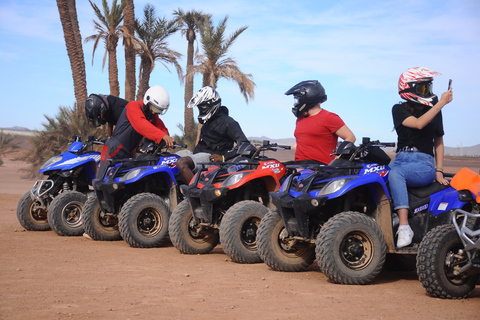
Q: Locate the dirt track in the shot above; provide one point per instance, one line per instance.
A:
(45, 276)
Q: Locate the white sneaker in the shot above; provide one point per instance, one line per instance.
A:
(404, 237)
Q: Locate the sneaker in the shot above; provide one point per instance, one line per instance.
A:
(404, 237)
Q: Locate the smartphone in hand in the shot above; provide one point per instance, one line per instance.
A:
(449, 84)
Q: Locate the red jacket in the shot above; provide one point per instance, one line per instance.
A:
(131, 127)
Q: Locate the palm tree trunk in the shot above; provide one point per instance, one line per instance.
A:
(113, 68)
(144, 77)
(189, 125)
(129, 23)
(73, 42)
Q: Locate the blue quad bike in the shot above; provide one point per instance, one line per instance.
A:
(343, 216)
(133, 200)
(56, 202)
(448, 260)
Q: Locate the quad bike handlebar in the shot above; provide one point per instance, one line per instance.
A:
(151, 147)
(266, 145)
(86, 146)
(376, 143)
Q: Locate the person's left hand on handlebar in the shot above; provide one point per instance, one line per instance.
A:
(168, 141)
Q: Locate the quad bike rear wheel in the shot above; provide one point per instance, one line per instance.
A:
(275, 249)
(65, 213)
(188, 237)
(97, 224)
(350, 248)
(31, 215)
(143, 221)
(440, 253)
(238, 231)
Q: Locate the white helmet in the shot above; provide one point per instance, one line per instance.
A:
(208, 101)
(157, 99)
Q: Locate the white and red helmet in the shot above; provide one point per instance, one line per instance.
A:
(415, 84)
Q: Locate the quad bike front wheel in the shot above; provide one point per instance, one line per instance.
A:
(143, 221)
(65, 213)
(188, 237)
(350, 248)
(31, 215)
(275, 249)
(97, 224)
(441, 253)
(238, 231)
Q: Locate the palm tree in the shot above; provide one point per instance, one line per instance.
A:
(153, 31)
(129, 28)
(73, 42)
(214, 64)
(189, 23)
(7, 145)
(110, 31)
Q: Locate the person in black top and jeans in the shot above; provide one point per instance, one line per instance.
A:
(218, 134)
(419, 126)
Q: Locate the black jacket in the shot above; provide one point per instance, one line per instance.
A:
(116, 107)
(219, 134)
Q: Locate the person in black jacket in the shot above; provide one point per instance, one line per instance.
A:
(101, 109)
(218, 135)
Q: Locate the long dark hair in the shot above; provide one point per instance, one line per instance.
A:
(412, 107)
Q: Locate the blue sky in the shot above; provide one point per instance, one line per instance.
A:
(357, 49)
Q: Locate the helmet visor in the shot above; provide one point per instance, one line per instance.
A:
(424, 89)
(157, 110)
(203, 108)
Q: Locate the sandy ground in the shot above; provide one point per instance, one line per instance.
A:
(45, 276)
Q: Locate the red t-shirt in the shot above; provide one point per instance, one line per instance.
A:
(316, 138)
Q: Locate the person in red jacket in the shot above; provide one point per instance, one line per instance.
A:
(139, 119)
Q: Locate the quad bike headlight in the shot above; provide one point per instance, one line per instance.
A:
(335, 185)
(234, 178)
(66, 174)
(51, 161)
(132, 174)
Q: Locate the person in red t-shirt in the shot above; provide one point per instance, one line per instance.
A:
(139, 119)
(317, 130)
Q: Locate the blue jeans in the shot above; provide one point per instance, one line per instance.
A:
(413, 169)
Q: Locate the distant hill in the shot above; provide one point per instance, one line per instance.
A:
(463, 151)
(286, 141)
(21, 131)
(16, 128)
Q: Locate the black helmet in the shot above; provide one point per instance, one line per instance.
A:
(307, 94)
(96, 107)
